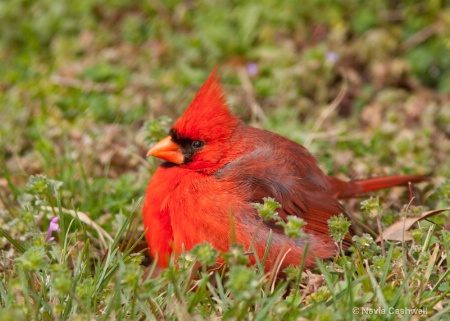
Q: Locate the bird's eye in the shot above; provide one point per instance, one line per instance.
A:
(196, 144)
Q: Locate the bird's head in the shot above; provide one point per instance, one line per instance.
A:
(200, 138)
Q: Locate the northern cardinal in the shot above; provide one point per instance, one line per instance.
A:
(216, 165)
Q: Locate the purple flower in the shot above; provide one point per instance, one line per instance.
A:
(332, 57)
(53, 227)
(252, 68)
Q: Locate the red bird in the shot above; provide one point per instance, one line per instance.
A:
(216, 165)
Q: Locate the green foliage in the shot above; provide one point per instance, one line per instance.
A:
(367, 245)
(243, 283)
(40, 185)
(339, 226)
(371, 207)
(33, 259)
(442, 194)
(113, 283)
(267, 209)
(293, 228)
(156, 129)
(236, 255)
(205, 254)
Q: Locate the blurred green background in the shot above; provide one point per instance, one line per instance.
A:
(79, 79)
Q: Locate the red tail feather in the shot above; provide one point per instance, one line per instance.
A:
(350, 189)
(373, 184)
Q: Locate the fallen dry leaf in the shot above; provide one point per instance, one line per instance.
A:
(399, 231)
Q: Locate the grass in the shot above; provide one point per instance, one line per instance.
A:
(87, 86)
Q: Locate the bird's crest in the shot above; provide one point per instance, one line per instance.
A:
(207, 116)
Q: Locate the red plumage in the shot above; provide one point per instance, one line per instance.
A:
(215, 164)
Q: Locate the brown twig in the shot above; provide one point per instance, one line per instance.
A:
(422, 35)
(327, 111)
(380, 231)
(257, 112)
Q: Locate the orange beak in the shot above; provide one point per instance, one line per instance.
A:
(167, 150)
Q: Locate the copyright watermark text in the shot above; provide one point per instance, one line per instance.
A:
(391, 310)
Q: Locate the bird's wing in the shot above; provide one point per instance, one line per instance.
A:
(284, 170)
